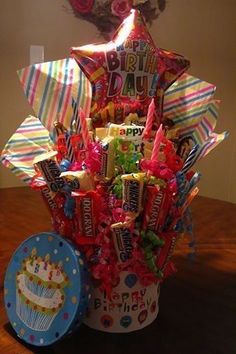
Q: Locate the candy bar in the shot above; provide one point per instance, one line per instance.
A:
(55, 203)
(156, 208)
(133, 192)
(81, 180)
(165, 252)
(86, 210)
(107, 158)
(101, 133)
(49, 169)
(122, 238)
(50, 198)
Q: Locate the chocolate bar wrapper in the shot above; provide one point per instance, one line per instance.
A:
(87, 216)
(50, 170)
(165, 252)
(157, 205)
(133, 192)
(55, 202)
(107, 158)
(122, 238)
(81, 180)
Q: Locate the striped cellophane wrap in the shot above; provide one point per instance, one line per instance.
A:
(29, 140)
(49, 88)
(190, 105)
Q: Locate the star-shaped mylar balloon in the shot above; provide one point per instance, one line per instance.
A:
(127, 72)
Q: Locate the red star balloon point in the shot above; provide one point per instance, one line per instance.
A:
(127, 72)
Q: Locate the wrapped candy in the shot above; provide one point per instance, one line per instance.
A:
(87, 211)
(122, 238)
(165, 252)
(50, 170)
(133, 192)
(120, 191)
(81, 180)
(55, 203)
(157, 204)
(107, 158)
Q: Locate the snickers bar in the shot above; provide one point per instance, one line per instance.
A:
(122, 239)
(50, 171)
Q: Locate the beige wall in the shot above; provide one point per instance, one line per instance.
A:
(202, 30)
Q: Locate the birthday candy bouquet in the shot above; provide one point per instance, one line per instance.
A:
(114, 162)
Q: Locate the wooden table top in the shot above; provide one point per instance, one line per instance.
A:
(197, 305)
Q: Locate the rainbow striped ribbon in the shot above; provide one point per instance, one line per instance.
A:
(29, 140)
(49, 88)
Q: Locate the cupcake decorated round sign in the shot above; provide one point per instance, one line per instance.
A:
(46, 289)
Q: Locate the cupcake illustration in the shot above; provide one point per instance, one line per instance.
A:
(40, 293)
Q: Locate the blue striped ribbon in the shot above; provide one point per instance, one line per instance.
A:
(191, 159)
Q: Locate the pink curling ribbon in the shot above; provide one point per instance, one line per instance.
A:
(84, 128)
(118, 215)
(93, 160)
(157, 142)
(149, 121)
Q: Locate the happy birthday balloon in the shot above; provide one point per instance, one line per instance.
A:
(127, 72)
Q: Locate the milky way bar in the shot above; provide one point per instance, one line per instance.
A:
(122, 239)
(133, 192)
(156, 208)
(50, 170)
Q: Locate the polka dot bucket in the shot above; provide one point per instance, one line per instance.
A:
(130, 307)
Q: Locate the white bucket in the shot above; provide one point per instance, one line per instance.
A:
(130, 307)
